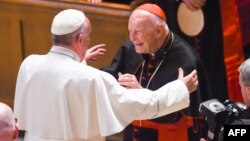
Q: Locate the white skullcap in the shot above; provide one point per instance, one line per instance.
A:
(67, 21)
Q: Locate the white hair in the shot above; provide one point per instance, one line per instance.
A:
(156, 19)
(244, 71)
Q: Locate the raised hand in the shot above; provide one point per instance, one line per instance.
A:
(95, 52)
(191, 80)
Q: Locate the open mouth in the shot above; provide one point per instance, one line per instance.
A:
(138, 44)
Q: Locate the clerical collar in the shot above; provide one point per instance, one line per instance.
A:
(66, 52)
(155, 62)
(166, 46)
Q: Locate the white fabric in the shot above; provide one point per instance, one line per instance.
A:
(67, 21)
(58, 97)
(30, 137)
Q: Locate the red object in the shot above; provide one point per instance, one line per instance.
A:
(168, 131)
(154, 9)
(233, 48)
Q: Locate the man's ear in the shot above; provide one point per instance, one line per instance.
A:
(80, 37)
(159, 30)
(248, 92)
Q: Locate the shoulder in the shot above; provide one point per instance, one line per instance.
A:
(31, 58)
(183, 48)
(178, 41)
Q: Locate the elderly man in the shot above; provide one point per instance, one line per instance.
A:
(58, 98)
(8, 126)
(152, 58)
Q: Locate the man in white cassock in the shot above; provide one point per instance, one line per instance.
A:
(58, 98)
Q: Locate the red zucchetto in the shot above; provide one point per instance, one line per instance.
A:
(154, 9)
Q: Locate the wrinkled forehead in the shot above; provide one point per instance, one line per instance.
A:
(140, 17)
(142, 14)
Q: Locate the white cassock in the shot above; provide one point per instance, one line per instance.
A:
(58, 98)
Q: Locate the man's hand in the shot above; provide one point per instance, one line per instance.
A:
(128, 80)
(191, 80)
(194, 4)
(95, 52)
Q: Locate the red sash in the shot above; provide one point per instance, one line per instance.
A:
(168, 132)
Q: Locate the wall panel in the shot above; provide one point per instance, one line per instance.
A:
(10, 57)
(25, 30)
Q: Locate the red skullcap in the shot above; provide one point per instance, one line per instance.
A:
(154, 9)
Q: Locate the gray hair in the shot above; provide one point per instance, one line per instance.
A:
(157, 20)
(68, 39)
(244, 71)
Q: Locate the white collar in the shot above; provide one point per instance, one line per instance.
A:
(65, 51)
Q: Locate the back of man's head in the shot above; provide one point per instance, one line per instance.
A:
(244, 70)
(244, 81)
(67, 21)
(8, 127)
(65, 24)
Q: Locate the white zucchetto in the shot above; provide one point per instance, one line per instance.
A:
(67, 21)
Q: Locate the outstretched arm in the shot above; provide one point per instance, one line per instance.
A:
(95, 52)
(130, 81)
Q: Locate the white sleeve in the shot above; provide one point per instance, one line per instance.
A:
(119, 106)
(174, 97)
(84, 62)
(170, 98)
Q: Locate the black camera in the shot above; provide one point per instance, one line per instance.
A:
(218, 114)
